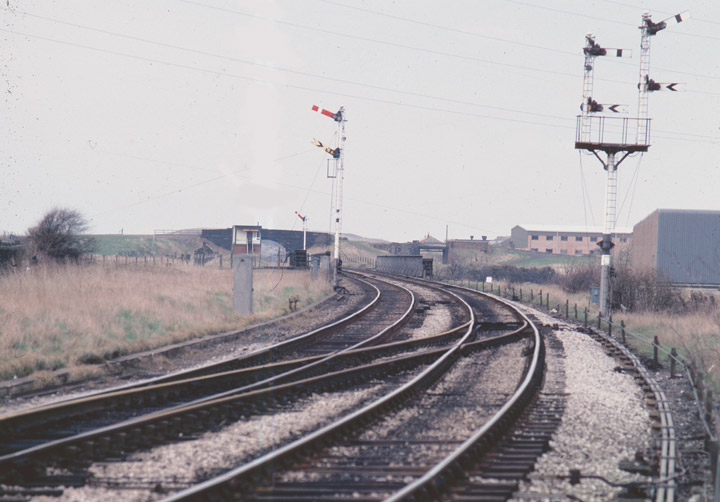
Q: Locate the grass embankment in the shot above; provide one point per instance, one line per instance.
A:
(72, 317)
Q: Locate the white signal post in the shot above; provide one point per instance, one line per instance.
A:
(338, 154)
(304, 220)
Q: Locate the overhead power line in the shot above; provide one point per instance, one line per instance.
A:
(306, 88)
(574, 54)
(314, 75)
(334, 93)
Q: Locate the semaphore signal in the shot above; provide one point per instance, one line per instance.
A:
(592, 51)
(609, 135)
(304, 220)
(651, 86)
(337, 116)
(593, 106)
(337, 153)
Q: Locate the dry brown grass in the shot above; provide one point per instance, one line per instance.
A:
(695, 334)
(66, 316)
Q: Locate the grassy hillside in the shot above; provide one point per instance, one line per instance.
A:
(354, 250)
(146, 245)
(532, 259)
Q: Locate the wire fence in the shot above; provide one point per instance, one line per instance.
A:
(706, 406)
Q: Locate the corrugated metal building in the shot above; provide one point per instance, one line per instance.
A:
(567, 240)
(411, 266)
(681, 245)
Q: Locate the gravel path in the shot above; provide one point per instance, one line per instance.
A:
(605, 422)
(433, 314)
(173, 466)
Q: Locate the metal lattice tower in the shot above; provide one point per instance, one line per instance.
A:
(644, 71)
(599, 133)
(587, 85)
(647, 85)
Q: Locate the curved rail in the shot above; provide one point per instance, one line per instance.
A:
(168, 385)
(223, 485)
(92, 440)
(426, 487)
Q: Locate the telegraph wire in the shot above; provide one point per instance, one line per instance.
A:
(334, 93)
(624, 63)
(346, 95)
(298, 87)
(273, 67)
(430, 51)
(585, 193)
(187, 187)
(612, 21)
(446, 28)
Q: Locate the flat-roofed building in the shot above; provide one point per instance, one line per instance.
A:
(565, 240)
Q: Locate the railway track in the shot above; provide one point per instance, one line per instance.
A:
(458, 415)
(409, 443)
(54, 435)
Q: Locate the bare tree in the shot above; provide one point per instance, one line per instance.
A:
(59, 235)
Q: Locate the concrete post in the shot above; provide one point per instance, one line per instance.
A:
(242, 284)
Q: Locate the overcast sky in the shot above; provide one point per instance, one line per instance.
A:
(175, 114)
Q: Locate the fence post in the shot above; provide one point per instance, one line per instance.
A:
(610, 325)
(708, 405)
(585, 325)
(599, 320)
(673, 362)
(532, 296)
(655, 350)
(520, 294)
(714, 452)
(576, 312)
(540, 295)
(547, 301)
(622, 331)
(567, 309)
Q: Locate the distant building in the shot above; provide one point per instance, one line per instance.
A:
(425, 246)
(457, 246)
(565, 240)
(682, 246)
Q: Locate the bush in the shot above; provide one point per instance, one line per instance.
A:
(643, 291)
(58, 236)
(579, 278)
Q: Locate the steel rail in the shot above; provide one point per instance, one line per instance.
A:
(225, 483)
(225, 398)
(666, 485)
(428, 486)
(208, 407)
(100, 400)
(240, 362)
